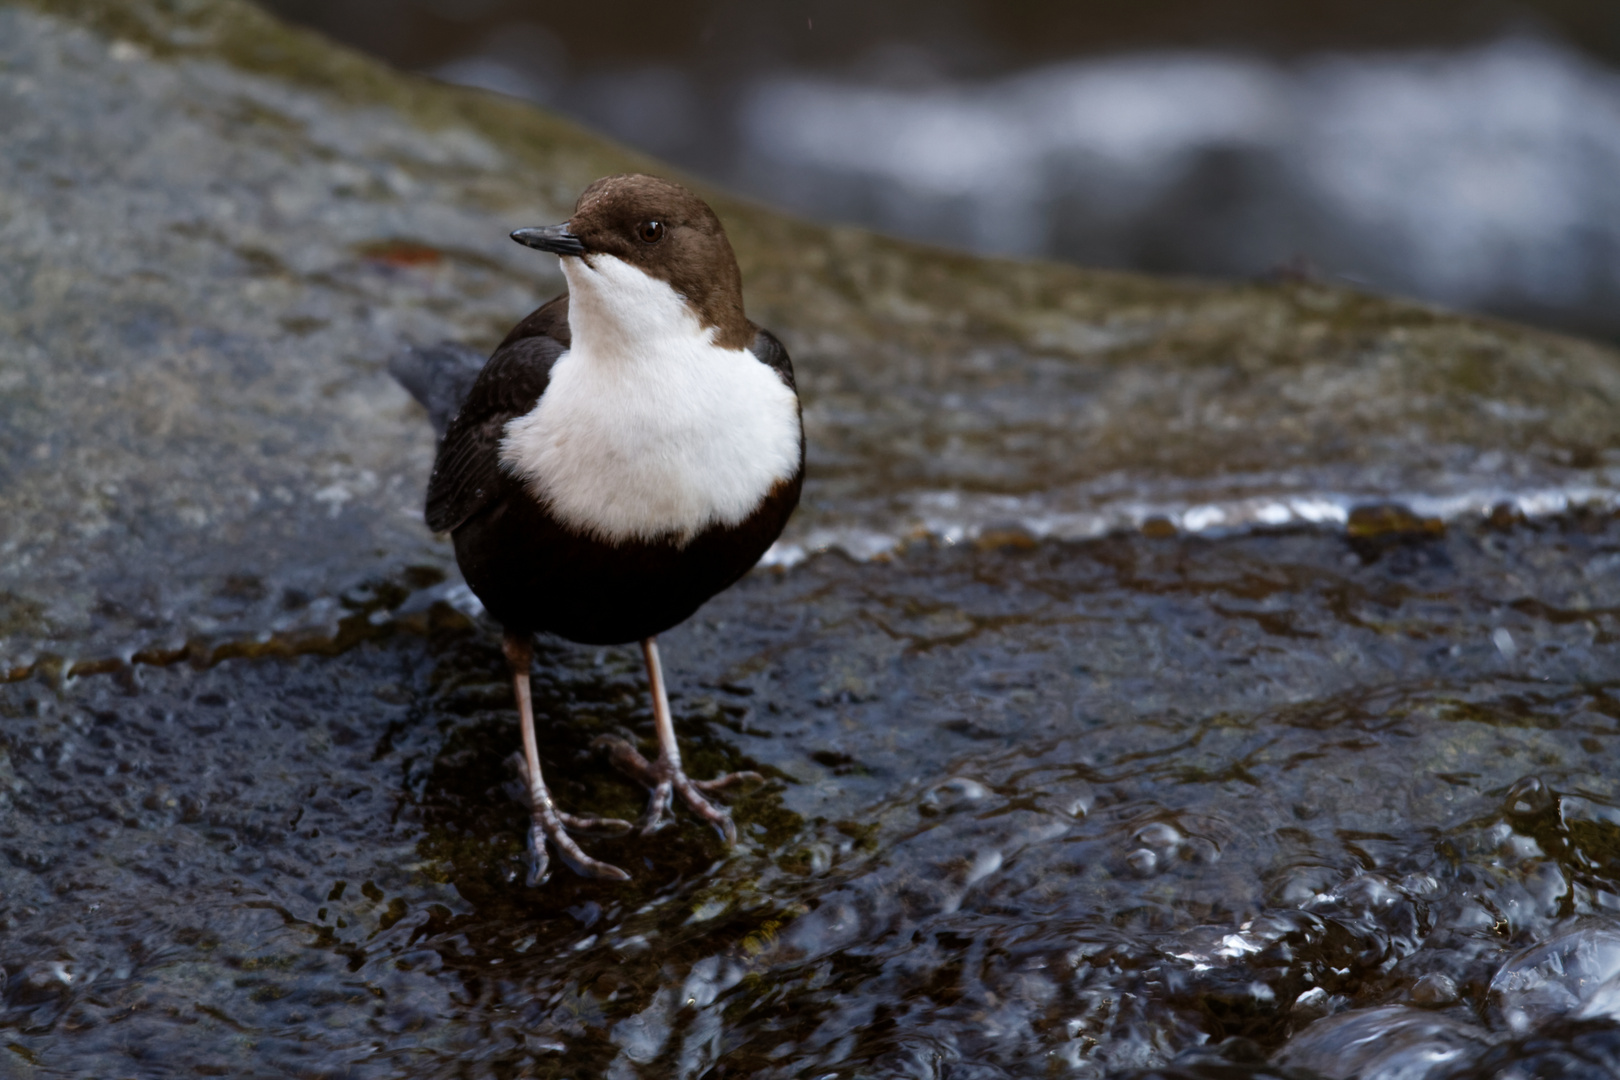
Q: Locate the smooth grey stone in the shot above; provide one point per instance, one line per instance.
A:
(218, 230)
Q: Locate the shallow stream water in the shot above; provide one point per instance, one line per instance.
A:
(1060, 809)
(1160, 678)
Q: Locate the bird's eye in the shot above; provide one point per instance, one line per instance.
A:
(650, 231)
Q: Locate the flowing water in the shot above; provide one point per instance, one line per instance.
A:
(1059, 809)
(1160, 680)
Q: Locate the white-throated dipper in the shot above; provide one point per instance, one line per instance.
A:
(629, 450)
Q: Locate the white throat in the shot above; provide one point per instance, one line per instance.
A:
(647, 429)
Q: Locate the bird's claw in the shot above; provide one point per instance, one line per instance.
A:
(537, 858)
(547, 823)
(666, 779)
(540, 835)
(609, 826)
(720, 783)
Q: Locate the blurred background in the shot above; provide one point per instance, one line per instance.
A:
(1463, 151)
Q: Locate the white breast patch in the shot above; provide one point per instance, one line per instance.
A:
(647, 429)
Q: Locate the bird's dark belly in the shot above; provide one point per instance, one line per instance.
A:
(532, 573)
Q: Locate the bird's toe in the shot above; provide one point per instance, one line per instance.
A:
(608, 826)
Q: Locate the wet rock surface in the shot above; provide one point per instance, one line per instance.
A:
(1221, 795)
(1080, 808)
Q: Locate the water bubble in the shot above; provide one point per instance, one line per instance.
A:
(954, 794)
(1312, 1005)
(1142, 862)
(1528, 796)
(1434, 990)
(1504, 643)
(1390, 1043)
(1159, 835)
(1574, 975)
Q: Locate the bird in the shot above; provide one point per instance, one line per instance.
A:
(629, 450)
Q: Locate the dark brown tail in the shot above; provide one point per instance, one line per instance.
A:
(439, 376)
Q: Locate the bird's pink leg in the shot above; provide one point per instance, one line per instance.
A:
(665, 776)
(546, 821)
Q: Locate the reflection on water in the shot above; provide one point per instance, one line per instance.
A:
(1479, 177)
(1063, 809)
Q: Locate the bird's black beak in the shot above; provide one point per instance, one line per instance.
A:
(553, 238)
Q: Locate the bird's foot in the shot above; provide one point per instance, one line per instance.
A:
(666, 778)
(547, 823)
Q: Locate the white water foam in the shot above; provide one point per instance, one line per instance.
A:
(950, 517)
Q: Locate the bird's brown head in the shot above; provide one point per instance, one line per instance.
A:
(666, 232)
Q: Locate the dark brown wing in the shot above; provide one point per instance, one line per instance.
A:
(770, 352)
(467, 472)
